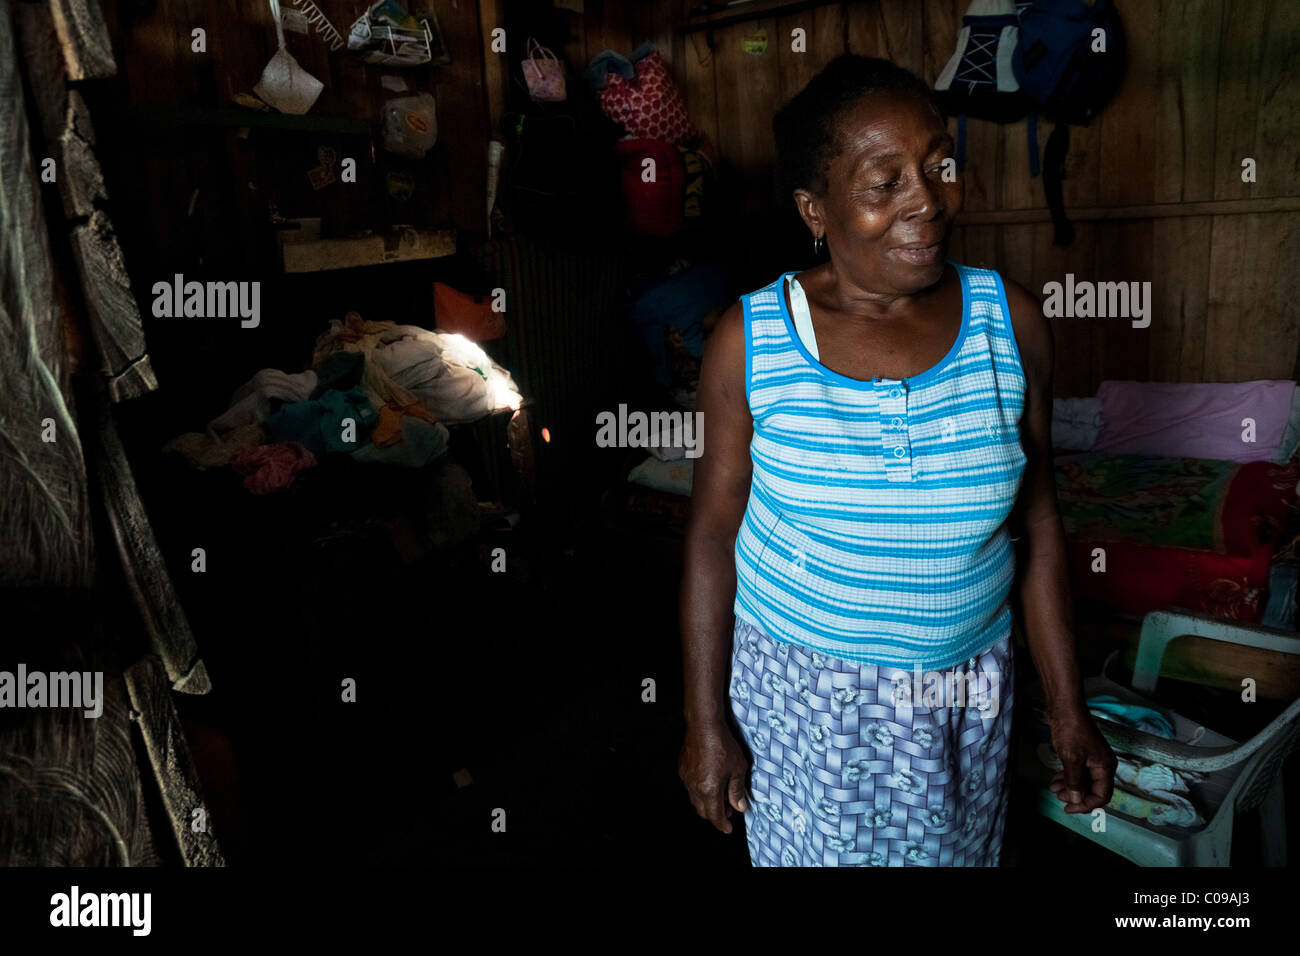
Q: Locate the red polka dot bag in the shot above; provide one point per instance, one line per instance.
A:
(648, 105)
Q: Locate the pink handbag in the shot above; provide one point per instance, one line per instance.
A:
(545, 77)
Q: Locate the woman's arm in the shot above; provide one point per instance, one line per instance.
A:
(1086, 780)
(712, 765)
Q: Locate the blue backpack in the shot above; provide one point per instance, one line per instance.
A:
(1069, 59)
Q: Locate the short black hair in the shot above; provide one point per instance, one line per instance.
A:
(806, 131)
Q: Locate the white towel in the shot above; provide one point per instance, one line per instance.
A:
(1076, 423)
(251, 403)
(1085, 411)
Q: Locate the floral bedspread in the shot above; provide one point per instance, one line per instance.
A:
(1172, 502)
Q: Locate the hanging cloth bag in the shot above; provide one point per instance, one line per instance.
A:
(544, 74)
(1070, 61)
(648, 106)
(284, 84)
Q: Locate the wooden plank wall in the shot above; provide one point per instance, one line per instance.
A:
(618, 25)
(575, 30)
(1209, 83)
(153, 44)
(194, 197)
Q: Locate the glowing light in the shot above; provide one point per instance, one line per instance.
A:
(546, 435)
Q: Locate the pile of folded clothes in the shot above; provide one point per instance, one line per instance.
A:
(376, 391)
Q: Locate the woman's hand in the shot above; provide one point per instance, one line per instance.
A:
(1086, 779)
(713, 766)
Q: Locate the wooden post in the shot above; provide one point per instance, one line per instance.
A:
(178, 782)
(115, 321)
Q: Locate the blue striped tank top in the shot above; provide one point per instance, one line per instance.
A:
(876, 524)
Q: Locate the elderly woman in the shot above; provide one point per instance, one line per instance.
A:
(878, 437)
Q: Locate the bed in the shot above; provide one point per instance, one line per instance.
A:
(1155, 513)
(1147, 532)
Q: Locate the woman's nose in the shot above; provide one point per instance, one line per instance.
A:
(924, 200)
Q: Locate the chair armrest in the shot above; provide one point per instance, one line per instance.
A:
(1181, 756)
(1171, 753)
(1161, 627)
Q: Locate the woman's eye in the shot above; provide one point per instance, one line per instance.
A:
(889, 185)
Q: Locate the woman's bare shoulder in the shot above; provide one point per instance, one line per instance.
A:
(724, 353)
(728, 335)
(1032, 329)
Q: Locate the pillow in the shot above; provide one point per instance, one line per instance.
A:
(1194, 419)
(1076, 423)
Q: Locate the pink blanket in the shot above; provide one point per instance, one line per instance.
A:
(1194, 419)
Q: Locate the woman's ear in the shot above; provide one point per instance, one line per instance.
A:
(810, 210)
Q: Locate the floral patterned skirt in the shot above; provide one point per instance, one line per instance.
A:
(861, 765)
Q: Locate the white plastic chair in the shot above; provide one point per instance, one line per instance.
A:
(1239, 776)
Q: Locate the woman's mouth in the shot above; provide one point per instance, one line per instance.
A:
(920, 256)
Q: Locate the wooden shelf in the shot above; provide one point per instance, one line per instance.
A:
(721, 14)
(233, 116)
(320, 255)
(1166, 210)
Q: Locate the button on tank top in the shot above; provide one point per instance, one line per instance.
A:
(876, 524)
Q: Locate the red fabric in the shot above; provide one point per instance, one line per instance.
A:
(649, 104)
(1231, 584)
(268, 468)
(1140, 578)
(653, 208)
(459, 312)
(1258, 502)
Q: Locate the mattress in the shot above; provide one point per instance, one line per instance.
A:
(1176, 532)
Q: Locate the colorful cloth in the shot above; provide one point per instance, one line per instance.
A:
(272, 467)
(388, 430)
(318, 424)
(204, 452)
(421, 443)
(1174, 502)
(255, 399)
(850, 769)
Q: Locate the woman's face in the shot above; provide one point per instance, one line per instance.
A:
(887, 212)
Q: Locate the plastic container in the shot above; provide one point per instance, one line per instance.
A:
(410, 125)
